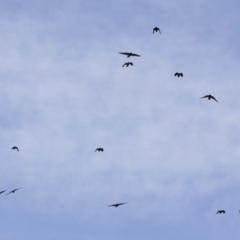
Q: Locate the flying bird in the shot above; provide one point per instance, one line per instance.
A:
(116, 204)
(15, 148)
(178, 74)
(127, 64)
(13, 191)
(130, 54)
(210, 97)
(99, 150)
(220, 212)
(2, 191)
(156, 29)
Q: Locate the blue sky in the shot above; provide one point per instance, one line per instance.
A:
(63, 92)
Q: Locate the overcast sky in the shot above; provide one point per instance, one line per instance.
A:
(175, 158)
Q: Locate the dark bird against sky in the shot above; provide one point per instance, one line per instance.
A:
(156, 29)
(99, 150)
(2, 191)
(130, 54)
(15, 148)
(178, 74)
(210, 97)
(127, 64)
(220, 212)
(13, 191)
(116, 204)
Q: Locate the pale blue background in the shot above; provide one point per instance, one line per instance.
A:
(63, 92)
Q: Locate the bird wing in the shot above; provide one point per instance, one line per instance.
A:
(124, 64)
(125, 53)
(176, 74)
(131, 63)
(121, 203)
(214, 98)
(136, 55)
(205, 96)
(113, 205)
(159, 31)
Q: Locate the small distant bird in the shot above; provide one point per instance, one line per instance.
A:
(156, 29)
(130, 54)
(15, 148)
(178, 74)
(2, 191)
(127, 64)
(116, 204)
(220, 212)
(239, 212)
(99, 150)
(13, 191)
(210, 97)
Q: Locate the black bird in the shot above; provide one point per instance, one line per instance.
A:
(15, 148)
(2, 191)
(130, 54)
(13, 191)
(220, 212)
(99, 150)
(178, 74)
(116, 204)
(210, 97)
(127, 64)
(156, 29)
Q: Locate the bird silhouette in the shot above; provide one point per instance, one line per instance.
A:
(13, 191)
(15, 148)
(127, 64)
(116, 204)
(99, 150)
(156, 29)
(210, 97)
(2, 191)
(178, 74)
(220, 212)
(130, 54)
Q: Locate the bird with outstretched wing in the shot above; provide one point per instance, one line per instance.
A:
(156, 29)
(13, 191)
(210, 97)
(129, 54)
(15, 148)
(127, 64)
(116, 204)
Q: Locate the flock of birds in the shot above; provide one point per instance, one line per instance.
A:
(127, 64)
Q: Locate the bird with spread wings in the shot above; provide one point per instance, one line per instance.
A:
(129, 54)
(15, 148)
(116, 204)
(156, 29)
(127, 64)
(210, 97)
(13, 191)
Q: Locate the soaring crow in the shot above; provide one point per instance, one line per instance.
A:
(130, 54)
(156, 29)
(178, 74)
(2, 191)
(13, 191)
(116, 204)
(210, 97)
(127, 64)
(99, 150)
(15, 148)
(220, 212)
